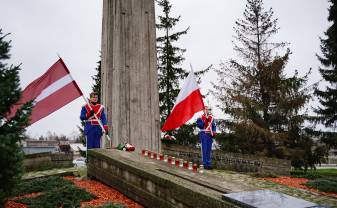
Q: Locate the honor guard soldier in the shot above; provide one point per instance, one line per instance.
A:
(207, 128)
(92, 128)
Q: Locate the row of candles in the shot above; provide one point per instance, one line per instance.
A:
(173, 161)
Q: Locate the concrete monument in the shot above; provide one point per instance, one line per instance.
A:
(129, 72)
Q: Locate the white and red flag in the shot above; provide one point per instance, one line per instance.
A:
(189, 102)
(53, 90)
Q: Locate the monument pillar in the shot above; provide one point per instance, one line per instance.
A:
(129, 73)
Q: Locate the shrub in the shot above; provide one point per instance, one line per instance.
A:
(326, 184)
(112, 205)
(40, 185)
(314, 174)
(67, 196)
(56, 192)
(305, 174)
(11, 130)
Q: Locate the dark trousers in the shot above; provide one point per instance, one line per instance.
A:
(94, 137)
(206, 145)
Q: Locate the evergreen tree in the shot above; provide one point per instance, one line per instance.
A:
(96, 87)
(263, 103)
(170, 58)
(327, 112)
(11, 131)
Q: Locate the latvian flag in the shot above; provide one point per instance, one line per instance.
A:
(189, 102)
(53, 90)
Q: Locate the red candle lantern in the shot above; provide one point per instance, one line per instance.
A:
(169, 160)
(177, 162)
(195, 167)
(185, 164)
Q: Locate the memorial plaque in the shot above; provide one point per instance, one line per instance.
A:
(267, 199)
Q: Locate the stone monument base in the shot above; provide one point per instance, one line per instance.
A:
(154, 183)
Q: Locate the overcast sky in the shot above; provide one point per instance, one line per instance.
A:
(42, 28)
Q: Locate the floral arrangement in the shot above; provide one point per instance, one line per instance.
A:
(126, 147)
(168, 139)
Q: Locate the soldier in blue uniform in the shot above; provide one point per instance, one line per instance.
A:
(92, 129)
(207, 128)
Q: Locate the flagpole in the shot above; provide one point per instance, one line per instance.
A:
(86, 149)
(202, 158)
(87, 102)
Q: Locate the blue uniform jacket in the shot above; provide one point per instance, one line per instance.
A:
(88, 125)
(201, 125)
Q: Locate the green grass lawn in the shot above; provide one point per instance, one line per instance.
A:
(327, 172)
(321, 179)
(314, 174)
(324, 184)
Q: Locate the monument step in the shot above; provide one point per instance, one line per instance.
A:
(154, 183)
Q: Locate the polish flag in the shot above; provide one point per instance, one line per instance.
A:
(53, 90)
(189, 102)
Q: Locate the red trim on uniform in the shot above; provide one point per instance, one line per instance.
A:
(207, 125)
(98, 109)
(210, 118)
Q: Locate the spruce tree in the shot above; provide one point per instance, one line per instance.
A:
(170, 57)
(264, 104)
(96, 87)
(11, 130)
(327, 111)
(170, 73)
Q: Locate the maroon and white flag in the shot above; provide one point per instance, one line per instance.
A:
(189, 102)
(53, 90)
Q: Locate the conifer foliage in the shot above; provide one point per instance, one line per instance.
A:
(11, 131)
(96, 87)
(264, 104)
(327, 111)
(170, 58)
(170, 73)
